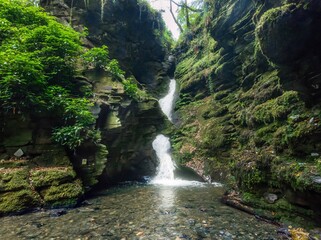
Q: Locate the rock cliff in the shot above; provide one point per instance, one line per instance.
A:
(249, 76)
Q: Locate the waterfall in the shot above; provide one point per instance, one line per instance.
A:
(102, 5)
(166, 167)
(86, 2)
(161, 145)
(167, 102)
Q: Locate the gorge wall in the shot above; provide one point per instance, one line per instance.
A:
(249, 74)
(37, 172)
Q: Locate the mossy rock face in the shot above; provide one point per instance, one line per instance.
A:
(67, 193)
(284, 33)
(90, 163)
(281, 210)
(13, 163)
(19, 201)
(277, 108)
(44, 177)
(140, 51)
(14, 179)
(259, 121)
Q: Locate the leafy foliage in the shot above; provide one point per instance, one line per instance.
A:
(188, 16)
(38, 58)
(131, 88)
(97, 57)
(113, 68)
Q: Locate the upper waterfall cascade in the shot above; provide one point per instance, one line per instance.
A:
(167, 102)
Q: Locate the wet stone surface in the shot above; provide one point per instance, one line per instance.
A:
(143, 212)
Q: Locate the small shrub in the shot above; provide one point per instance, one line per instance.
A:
(97, 57)
(131, 88)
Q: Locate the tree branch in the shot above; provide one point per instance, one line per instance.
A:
(173, 15)
(186, 6)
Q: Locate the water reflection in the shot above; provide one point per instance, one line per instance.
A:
(167, 197)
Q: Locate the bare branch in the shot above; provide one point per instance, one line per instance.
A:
(173, 15)
(186, 6)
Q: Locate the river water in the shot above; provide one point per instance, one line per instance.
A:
(136, 211)
(166, 208)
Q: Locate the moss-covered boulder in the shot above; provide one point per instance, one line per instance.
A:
(18, 201)
(63, 195)
(14, 179)
(284, 32)
(44, 177)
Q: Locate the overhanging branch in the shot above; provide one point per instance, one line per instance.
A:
(186, 6)
(173, 15)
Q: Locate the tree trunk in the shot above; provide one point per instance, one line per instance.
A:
(187, 15)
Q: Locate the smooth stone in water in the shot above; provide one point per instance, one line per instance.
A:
(58, 212)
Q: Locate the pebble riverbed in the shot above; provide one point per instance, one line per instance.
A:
(139, 211)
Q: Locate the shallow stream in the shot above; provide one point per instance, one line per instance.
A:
(137, 211)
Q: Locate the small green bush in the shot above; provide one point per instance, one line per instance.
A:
(97, 57)
(131, 88)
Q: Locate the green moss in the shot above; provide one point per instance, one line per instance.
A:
(297, 174)
(213, 136)
(63, 193)
(299, 132)
(265, 135)
(57, 156)
(281, 210)
(13, 179)
(12, 163)
(266, 87)
(42, 177)
(277, 108)
(274, 13)
(198, 64)
(250, 176)
(221, 94)
(18, 201)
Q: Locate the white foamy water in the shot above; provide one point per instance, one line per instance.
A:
(165, 170)
(167, 102)
(162, 147)
(161, 144)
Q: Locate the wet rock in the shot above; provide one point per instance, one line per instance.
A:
(270, 197)
(202, 209)
(191, 222)
(86, 203)
(316, 179)
(183, 236)
(19, 153)
(284, 233)
(58, 212)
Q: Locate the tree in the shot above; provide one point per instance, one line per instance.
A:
(38, 59)
(185, 11)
